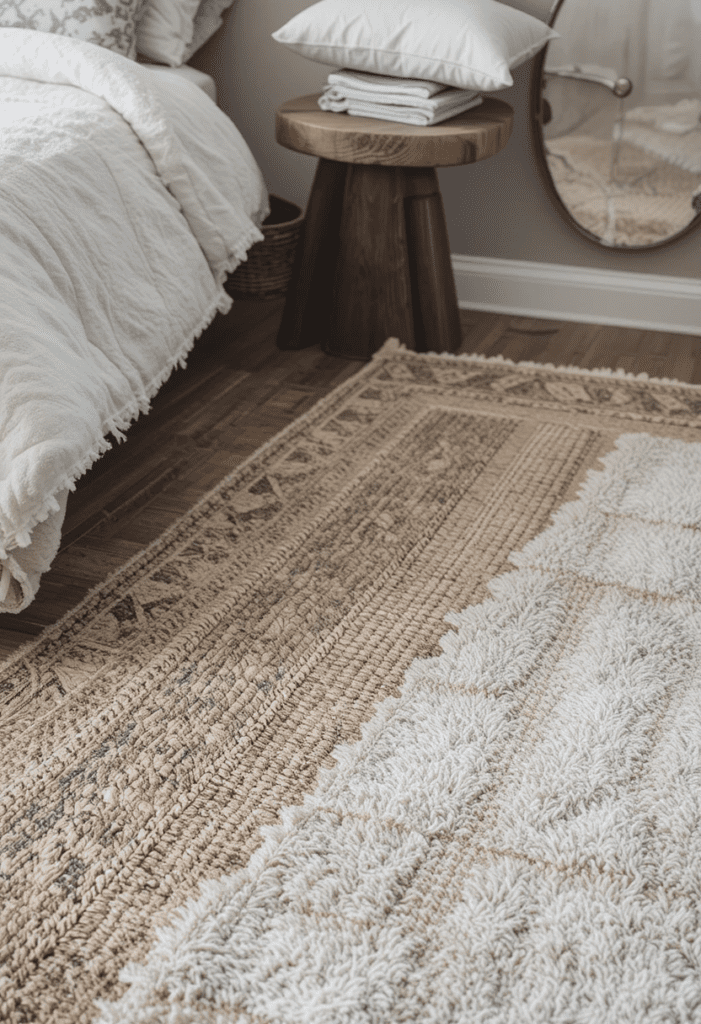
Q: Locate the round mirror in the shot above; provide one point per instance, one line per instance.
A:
(616, 117)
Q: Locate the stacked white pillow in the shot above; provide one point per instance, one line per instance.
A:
(165, 29)
(170, 31)
(468, 44)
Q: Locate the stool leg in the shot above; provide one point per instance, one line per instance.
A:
(436, 316)
(372, 299)
(305, 318)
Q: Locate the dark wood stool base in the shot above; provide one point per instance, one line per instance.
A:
(373, 262)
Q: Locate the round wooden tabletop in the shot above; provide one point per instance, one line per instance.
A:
(301, 125)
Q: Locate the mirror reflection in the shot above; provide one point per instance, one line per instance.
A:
(620, 117)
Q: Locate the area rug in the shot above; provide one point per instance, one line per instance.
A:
(646, 202)
(392, 821)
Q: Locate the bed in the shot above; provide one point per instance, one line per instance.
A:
(126, 198)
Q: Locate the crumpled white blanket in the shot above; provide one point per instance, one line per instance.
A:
(125, 199)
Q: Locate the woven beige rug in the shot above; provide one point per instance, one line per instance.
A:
(517, 835)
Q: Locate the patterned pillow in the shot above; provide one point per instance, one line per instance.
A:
(108, 23)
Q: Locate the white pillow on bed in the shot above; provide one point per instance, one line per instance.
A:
(208, 19)
(107, 23)
(468, 44)
(164, 30)
(170, 31)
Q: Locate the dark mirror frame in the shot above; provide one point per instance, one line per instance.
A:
(536, 102)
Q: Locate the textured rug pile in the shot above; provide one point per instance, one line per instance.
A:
(419, 779)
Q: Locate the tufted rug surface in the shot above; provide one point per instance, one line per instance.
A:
(512, 835)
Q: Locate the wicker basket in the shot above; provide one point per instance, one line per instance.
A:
(267, 271)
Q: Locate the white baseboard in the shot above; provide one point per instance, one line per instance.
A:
(550, 291)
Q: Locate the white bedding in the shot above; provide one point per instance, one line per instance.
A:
(125, 199)
(204, 81)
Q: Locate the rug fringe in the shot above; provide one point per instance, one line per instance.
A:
(394, 347)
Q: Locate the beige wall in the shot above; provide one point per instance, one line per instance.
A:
(496, 208)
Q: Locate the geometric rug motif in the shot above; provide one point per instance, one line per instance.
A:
(148, 736)
(517, 835)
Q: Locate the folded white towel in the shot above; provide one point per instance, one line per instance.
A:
(406, 100)
(368, 82)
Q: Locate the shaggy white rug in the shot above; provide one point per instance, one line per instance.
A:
(517, 837)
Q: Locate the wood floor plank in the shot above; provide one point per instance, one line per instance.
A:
(568, 345)
(238, 391)
(486, 337)
(652, 365)
(694, 357)
(683, 361)
(122, 499)
(601, 352)
(660, 343)
(12, 639)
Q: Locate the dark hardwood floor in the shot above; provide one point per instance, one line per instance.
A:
(237, 391)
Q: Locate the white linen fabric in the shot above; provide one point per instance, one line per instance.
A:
(209, 18)
(165, 29)
(468, 44)
(202, 80)
(394, 99)
(170, 31)
(364, 82)
(126, 198)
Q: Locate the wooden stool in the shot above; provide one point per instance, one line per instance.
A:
(373, 259)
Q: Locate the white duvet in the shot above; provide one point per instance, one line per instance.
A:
(125, 199)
